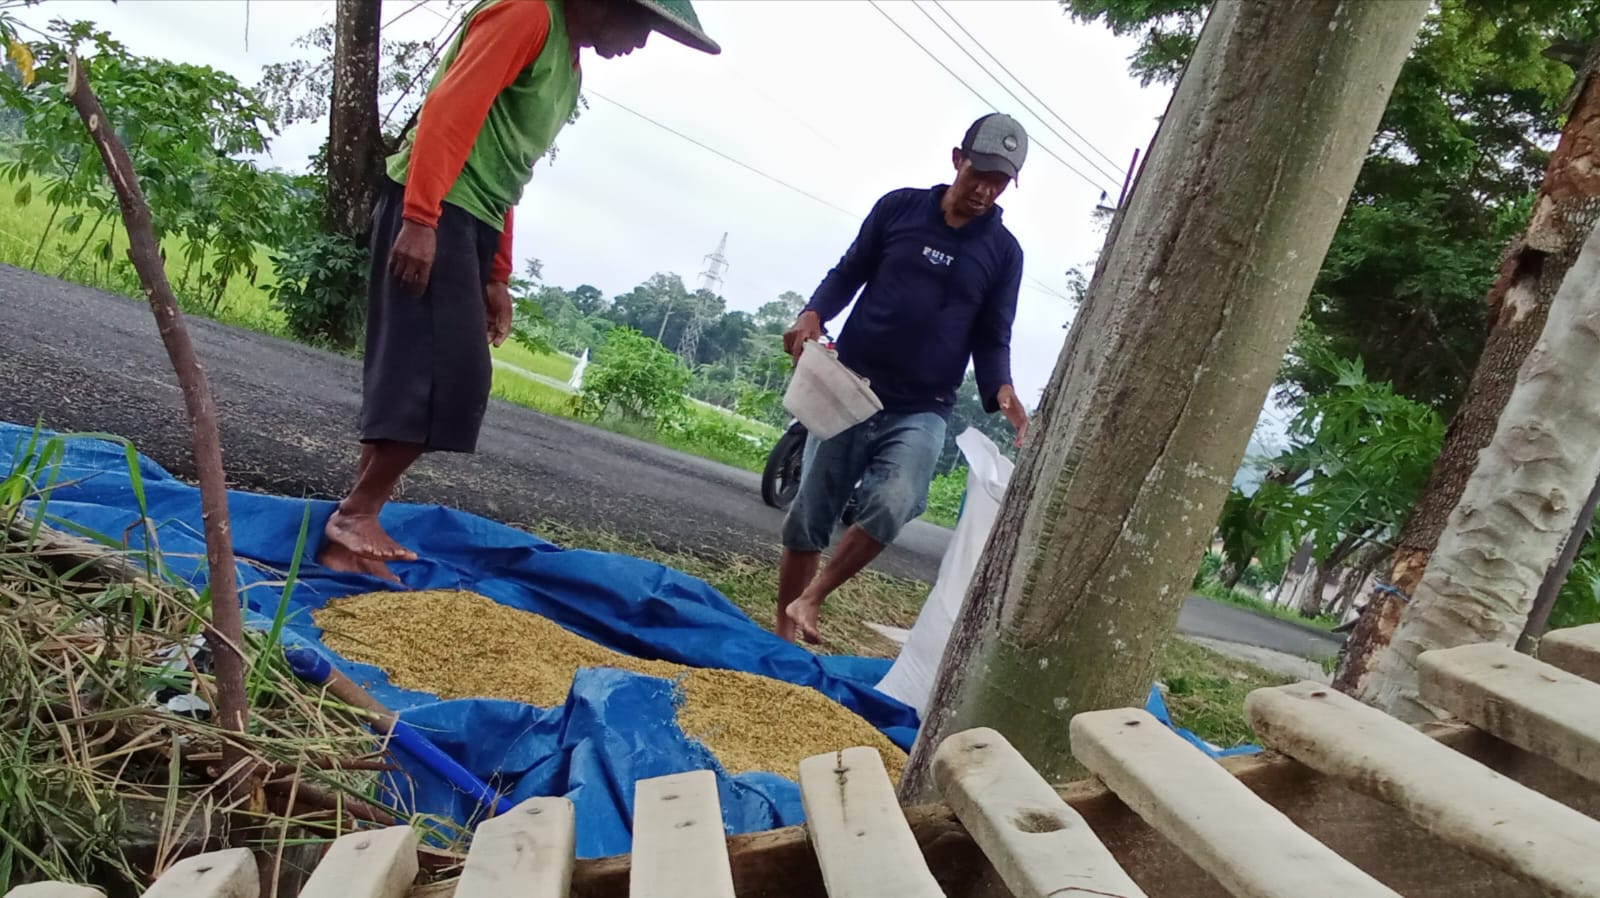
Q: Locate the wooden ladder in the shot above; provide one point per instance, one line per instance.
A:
(1040, 846)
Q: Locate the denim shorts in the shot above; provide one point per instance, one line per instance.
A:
(893, 456)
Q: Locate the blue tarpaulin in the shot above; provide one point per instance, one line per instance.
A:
(615, 728)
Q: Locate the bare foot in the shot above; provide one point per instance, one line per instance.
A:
(335, 557)
(802, 615)
(785, 626)
(362, 535)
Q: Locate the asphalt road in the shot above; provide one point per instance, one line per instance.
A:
(79, 359)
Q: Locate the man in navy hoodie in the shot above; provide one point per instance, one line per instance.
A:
(941, 275)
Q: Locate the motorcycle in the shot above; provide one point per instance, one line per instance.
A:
(780, 480)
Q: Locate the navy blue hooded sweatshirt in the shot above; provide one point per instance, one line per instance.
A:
(935, 297)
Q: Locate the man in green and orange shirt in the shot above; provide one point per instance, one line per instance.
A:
(438, 296)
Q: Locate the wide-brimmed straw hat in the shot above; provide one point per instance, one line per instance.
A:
(676, 19)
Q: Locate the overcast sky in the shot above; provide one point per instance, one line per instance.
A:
(828, 96)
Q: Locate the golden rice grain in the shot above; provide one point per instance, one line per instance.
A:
(458, 644)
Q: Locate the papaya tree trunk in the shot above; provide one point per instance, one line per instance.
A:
(1147, 415)
(1330, 571)
(1519, 504)
(1361, 566)
(1298, 575)
(1566, 209)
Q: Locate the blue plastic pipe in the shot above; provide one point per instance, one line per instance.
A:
(310, 666)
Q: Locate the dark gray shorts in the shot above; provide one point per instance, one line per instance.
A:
(427, 371)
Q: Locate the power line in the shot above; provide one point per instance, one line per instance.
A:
(721, 155)
(1037, 284)
(419, 4)
(1115, 176)
(985, 100)
(438, 48)
(1044, 288)
(1086, 142)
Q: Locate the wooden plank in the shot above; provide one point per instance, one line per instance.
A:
(1040, 847)
(1465, 803)
(1535, 706)
(782, 863)
(1247, 844)
(680, 849)
(217, 874)
(864, 846)
(374, 863)
(526, 852)
(54, 890)
(1575, 650)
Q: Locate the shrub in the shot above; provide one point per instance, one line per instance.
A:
(945, 495)
(321, 288)
(714, 436)
(636, 377)
(1210, 570)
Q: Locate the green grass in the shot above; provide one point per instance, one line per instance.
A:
(243, 304)
(1206, 690)
(542, 397)
(1218, 592)
(556, 366)
(751, 584)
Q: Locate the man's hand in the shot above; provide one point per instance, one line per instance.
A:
(497, 300)
(1011, 407)
(807, 327)
(411, 258)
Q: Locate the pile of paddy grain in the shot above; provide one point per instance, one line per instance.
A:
(458, 644)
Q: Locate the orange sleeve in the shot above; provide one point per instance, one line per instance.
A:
(501, 272)
(501, 41)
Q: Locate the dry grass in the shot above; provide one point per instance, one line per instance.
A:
(100, 782)
(752, 583)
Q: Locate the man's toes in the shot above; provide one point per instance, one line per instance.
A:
(392, 552)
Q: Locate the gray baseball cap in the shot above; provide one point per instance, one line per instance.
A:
(996, 143)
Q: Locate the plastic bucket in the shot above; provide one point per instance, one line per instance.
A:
(827, 397)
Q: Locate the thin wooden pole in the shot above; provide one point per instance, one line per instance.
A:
(225, 631)
(1549, 590)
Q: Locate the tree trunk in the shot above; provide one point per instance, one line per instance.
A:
(1519, 301)
(1235, 574)
(1312, 600)
(1364, 562)
(1331, 569)
(1348, 589)
(354, 140)
(1518, 506)
(1156, 392)
(1298, 576)
(1556, 577)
